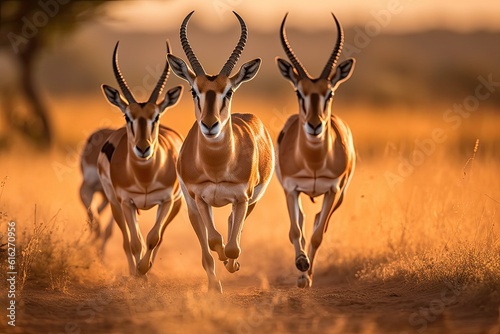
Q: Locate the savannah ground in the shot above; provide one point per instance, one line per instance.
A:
(413, 249)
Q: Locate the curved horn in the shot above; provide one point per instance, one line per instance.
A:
(336, 51)
(229, 65)
(289, 52)
(198, 69)
(119, 77)
(163, 78)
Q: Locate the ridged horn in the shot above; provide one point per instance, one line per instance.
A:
(119, 77)
(289, 52)
(195, 64)
(330, 65)
(163, 79)
(233, 59)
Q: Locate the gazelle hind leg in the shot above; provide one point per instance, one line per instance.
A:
(86, 196)
(107, 234)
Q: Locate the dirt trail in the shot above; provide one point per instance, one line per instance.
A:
(251, 305)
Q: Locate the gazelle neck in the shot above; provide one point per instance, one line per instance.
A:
(141, 168)
(218, 151)
(315, 151)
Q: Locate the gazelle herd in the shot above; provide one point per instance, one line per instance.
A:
(226, 158)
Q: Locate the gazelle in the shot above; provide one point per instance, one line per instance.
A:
(137, 167)
(91, 183)
(315, 153)
(225, 159)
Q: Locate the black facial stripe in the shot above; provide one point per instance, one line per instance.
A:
(210, 97)
(143, 125)
(314, 101)
(132, 128)
(223, 104)
(328, 98)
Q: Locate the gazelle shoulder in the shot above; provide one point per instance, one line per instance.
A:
(248, 120)
(171, 133)
(113, 141)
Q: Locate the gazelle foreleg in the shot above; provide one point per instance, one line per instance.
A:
(175, 210)
(154, 236)
(120, 220)
(297, 232)
(215, 240)
(137, 245)
(201, 232)
(320, 223)
(233, 249)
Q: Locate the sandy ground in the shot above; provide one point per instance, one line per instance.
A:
(85, 295)
(252, 305)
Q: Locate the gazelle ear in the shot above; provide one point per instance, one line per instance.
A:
(287, 71)
(343, 72)
(171, 98)
(181, 69)
(246, 73)
(114, 97)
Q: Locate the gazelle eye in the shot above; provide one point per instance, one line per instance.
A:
(298, 94)
(127, 119)
(157, 118)
(329, 95)
(229, 94)
(193, 93)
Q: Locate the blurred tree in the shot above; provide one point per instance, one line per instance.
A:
(27, 27)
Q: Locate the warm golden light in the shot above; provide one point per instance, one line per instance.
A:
(415, 245)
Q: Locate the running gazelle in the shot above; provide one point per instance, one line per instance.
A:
(137, 167)
(315, 151)
(225, 159)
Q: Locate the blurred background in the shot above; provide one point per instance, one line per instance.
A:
(415, 61)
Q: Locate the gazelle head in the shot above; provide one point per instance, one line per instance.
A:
(315, 94)
(142, 117)
(212, 93)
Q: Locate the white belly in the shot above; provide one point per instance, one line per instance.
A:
(145, 201)
(311, 186)
(220, 194)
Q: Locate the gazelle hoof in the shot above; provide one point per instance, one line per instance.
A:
(304, 281)
(232, 265)
(143, 267)
(302, 262)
